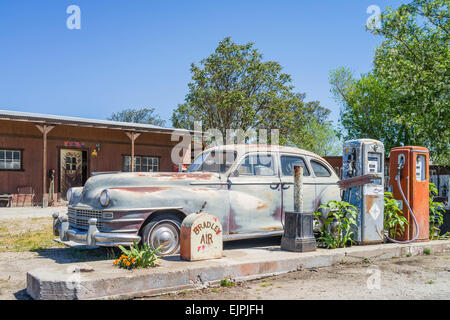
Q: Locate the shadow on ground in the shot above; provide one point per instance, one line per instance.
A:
(260, 243)
(73, 255)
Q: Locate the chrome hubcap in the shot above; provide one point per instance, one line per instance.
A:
(165, 235)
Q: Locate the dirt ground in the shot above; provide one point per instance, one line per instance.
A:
(27, 244)
(419, 277)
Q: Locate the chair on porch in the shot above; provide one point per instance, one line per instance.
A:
(25, 195)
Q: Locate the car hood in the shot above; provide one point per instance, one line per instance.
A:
(137, 181)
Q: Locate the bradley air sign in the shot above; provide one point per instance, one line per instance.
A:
(201, 237)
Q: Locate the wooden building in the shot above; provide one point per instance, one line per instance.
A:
(42, 156)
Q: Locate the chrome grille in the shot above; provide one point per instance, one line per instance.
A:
(78, 218)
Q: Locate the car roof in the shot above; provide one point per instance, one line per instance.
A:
(264, 147)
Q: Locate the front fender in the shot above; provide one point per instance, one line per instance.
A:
(185, 199)
(331, 192)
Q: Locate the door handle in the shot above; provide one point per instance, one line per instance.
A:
(274, 186)
(285, 187)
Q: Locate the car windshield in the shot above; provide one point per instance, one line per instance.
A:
(213, 161)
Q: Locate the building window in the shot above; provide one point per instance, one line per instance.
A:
(141, 164)
(10, 159)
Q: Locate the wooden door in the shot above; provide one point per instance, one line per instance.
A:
(71, 169)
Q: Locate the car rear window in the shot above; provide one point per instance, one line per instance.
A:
(288, 163)
(319, 169)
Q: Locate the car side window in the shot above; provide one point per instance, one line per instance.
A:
(288, 163)
(319, 169)
(257, 165)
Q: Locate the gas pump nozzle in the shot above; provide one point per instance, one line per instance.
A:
(399, 171)
(401, 165)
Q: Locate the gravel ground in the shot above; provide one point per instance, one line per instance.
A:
(30, 212)
(419, 277)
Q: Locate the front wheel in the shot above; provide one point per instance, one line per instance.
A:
(163, 231)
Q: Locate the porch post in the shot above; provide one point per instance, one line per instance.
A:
(44, 129)
(133, 136)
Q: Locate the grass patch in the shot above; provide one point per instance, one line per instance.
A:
(430, 282)
(266, 284)
(27, 235)
(427, 251)
(225, 282)
(367, 260)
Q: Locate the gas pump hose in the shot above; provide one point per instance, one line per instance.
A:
(397, 177)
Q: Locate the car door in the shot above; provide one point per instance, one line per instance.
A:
(255, 195)
(287, 163)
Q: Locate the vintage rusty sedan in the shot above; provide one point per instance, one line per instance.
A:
(248, 187)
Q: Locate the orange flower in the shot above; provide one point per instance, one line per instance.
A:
(128, 264)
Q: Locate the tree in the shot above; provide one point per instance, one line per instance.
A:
(317, 134)
(234, 88)
(144, 115)
(405, 98)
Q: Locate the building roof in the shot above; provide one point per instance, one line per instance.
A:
(74, 121)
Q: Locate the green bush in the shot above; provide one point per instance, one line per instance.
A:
(335, 229)
(436, 215)
(394, 221)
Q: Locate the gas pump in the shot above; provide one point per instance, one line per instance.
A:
(363, 184)
(409, 177)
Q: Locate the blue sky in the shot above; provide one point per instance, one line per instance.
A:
(137, 53)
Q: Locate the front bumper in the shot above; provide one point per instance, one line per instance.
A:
(91, 237)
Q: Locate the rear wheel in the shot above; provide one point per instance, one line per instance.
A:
(163, 231)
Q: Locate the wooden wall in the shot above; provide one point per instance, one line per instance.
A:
(113, 145)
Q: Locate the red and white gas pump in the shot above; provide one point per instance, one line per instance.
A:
(409, 178)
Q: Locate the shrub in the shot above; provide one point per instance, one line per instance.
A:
(436, 214)
(394, 221)
(335, 230)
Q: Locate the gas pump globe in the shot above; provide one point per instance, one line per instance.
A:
(365, 158)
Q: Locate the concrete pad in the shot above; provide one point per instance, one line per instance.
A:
(109, 282)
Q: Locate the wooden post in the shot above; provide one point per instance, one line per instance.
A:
(44, 129)
(298, 188)
(133, 136)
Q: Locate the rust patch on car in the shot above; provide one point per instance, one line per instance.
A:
(262, 206)
(233, 227)
(183, 176)
(272, 228)
(140, 189)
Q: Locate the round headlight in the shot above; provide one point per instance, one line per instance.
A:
(69, 195)
(104, 198)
